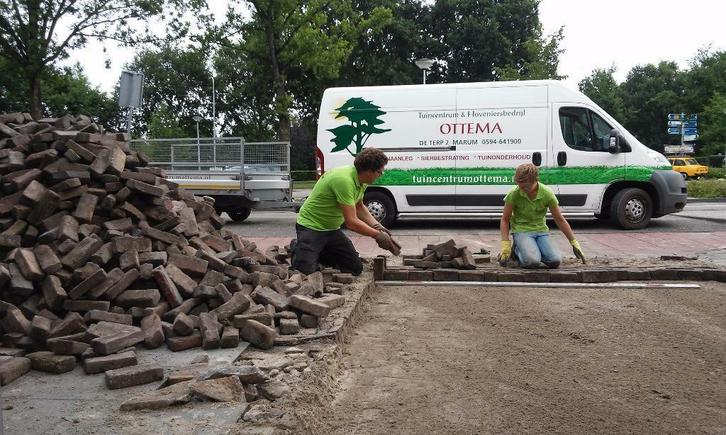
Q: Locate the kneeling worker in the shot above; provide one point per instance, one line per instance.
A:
(337, 198)
(525, 209)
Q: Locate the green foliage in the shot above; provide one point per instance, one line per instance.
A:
(163, 124)
(36, 34)
(363, 117)
(177, 86)
(602, 88)
(708, 188)
(714, 172)
(713, 124)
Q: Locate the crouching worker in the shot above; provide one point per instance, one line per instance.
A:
(525, 210)
(337, 198)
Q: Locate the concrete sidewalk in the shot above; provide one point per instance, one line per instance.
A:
(622, 244)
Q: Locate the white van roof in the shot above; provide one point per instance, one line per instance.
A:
(558, 91)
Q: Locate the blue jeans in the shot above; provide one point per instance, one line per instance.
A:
(533, 248)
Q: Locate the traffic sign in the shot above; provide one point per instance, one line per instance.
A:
(674, 123)
(691, 124)
(674, 130)
(693, 117)
(690, 131)
(676, 116)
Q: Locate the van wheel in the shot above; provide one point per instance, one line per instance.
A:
(381, 207)
(239, 216)
(631, 209)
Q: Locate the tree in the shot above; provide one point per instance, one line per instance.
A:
(486, 40)
(177, 86)
(36, 33)
(602, 88)
(713, 125)
(649, 94)
(287, 38)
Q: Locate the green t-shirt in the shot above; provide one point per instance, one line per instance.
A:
(321, 210)
(529, 215)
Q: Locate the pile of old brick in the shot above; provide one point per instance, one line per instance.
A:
(447, 255)
(99, 253)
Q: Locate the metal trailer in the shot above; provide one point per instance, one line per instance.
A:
(239, 175)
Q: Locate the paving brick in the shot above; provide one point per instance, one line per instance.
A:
(265, 318)
(536, 276)
(15, 321)
(183, 324)
(237, 304)
(230, 337)
(564, 276)
(146, 188)
(227, 389)
(82, 252)
(185, 307)
(309, 321)
(28, 264)
(191, 265)
(45, 361)
(13, 368)
(597, 276)
(470, 275)
(331, 300)
(102, 364)
(396, 275)
(94, 316)
(47, 259)
(114, 343)
(632, 275)
(127, 243)
(510, 276)
(209, 327)
(84, 305)
(267, 296)
(128, 278)
(85, 207)
(71, 324)
(40, 328)
(258, 335)
(289, 326)
(156, 258)
(446, 275)
(176, 344)
(184, 283)
(66, 346)
(167, 287)
(308, 305)
(133, 375)
(19, 284)
(153, 332)
(93, 281)
(129, 260)
(138, 298)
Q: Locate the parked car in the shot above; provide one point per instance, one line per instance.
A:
(688, 167)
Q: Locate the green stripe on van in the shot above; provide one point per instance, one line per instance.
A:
(503, 176)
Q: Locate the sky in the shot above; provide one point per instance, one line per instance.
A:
(598, 34)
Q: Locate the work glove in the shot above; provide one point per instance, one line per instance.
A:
(505, 252)
(380, 227)
(385, 241)
(577, 250)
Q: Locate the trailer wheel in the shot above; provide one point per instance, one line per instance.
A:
(631, 209)
(239, 216)
(381, 207)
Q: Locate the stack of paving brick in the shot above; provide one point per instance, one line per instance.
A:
(447, 255)
(99, 253)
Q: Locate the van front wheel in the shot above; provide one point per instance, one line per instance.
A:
(631, 209)
(381, 207)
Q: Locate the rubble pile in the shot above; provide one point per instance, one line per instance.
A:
(99, 253)
(447, 255)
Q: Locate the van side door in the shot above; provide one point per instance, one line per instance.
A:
(582, 166)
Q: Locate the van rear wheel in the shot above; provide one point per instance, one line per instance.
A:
(631, 209)
(381, 207)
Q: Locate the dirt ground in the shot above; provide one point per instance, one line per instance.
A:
(496, 360)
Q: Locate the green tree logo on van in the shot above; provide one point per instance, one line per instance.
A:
(363, 116)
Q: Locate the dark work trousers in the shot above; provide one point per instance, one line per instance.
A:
(329, 248)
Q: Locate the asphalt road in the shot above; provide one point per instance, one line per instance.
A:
(697, 217)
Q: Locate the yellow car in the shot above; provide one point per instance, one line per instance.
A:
(688, 167)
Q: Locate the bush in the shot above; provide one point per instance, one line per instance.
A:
(716, 172)
(710, 188)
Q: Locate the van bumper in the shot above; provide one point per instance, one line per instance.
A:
(672, 191)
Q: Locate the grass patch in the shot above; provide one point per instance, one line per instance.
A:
(716, 173)
(305, 184)
(707, 188)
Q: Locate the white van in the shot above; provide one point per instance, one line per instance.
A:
(453, 148)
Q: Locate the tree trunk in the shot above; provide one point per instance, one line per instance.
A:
(282, 103)
(36, 109)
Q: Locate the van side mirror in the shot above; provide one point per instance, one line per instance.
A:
(614, 142)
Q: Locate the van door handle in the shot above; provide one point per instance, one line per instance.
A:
(561, 158)
(537, 158)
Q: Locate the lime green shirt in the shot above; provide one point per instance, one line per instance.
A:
(321, 210)
(529, 215)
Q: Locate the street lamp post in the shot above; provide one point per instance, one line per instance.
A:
(424, 64)
(196, 119)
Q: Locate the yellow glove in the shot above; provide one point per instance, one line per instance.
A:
(577, 250)
(505, 251)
